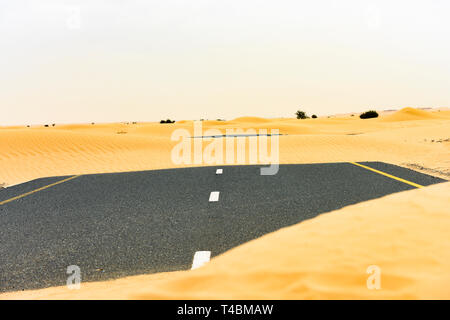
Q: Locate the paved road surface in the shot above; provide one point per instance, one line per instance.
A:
(119, 224)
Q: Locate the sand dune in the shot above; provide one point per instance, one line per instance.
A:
(408, 114)
(255, 120)
(29, 153)
(405, 234)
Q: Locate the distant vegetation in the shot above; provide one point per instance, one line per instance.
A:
(301, 114)
(314, 116)
(167, 121)
(369, 114)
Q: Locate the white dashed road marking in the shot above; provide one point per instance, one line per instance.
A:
(214, 196)
(219, 171)
(200, 258)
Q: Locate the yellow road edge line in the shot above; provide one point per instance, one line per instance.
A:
(388, 175)
(37, 190)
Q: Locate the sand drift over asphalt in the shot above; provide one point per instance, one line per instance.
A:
(154, 221)
(405, 234)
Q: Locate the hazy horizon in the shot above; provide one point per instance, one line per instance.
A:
(114, 61)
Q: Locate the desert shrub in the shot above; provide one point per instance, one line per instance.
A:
(301, 114)
(167, 121)
(369, 114)
(314, 116)
(46, 125)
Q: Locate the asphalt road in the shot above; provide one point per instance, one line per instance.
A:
(113, 225)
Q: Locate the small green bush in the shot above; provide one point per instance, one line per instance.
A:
(301, 114)
(369, 114)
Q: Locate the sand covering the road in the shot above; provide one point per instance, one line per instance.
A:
(405, 234)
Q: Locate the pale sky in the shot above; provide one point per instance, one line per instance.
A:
(110, 60)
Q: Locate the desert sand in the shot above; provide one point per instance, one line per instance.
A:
(405, 234)
(408, 137)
